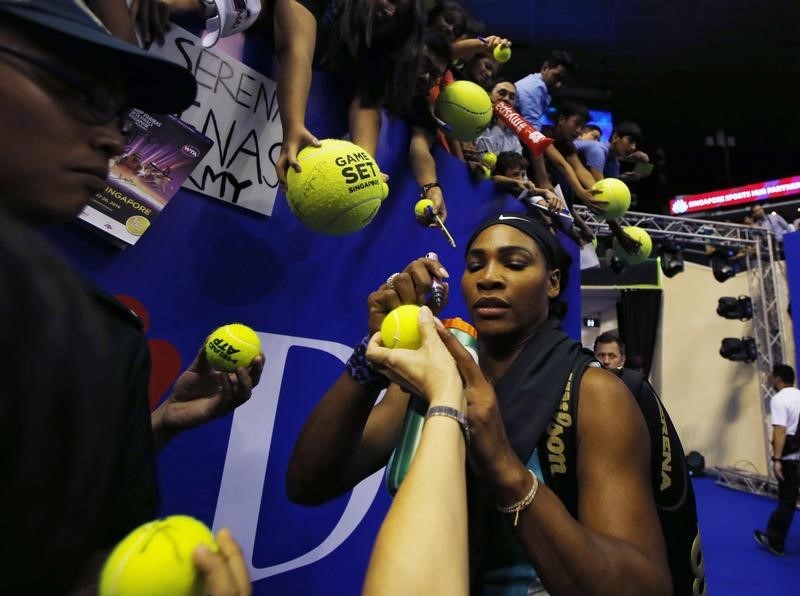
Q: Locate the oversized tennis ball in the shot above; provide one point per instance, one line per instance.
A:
(646, 247)
(339, 189)
(489, 160)
(618, 195)
(501, 53)
(466, 110)
(400, 328)
(156, 559)
(484, 173)
(231, 346)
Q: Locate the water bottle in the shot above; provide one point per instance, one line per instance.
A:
(403, 453)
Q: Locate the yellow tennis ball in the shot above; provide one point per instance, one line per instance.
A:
(339, 189)
(466, 110)
(400, 328)
(484, 173)
(489, 160)
(231, 346)
(156, 559)
(421, 208)
(618, 195)
(501, 53)
(646, 247)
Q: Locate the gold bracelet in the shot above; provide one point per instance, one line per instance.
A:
(522, 504)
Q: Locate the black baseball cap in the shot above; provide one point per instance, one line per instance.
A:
(153, 83)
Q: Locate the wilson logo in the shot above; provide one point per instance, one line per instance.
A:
(555, 443)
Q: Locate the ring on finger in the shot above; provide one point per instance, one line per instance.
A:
(390, 280)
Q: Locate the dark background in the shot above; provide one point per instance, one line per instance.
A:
(682, 70)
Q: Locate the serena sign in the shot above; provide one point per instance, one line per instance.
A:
(237, 108)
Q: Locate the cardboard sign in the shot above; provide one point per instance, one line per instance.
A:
(237, 108)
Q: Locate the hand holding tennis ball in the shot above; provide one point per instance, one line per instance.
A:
(156, 559)
(424, 211)
(489, 159)
(231, 346)
(339, 189)
(501, 53)
(645, 246)
(400, 328)
(615, 193)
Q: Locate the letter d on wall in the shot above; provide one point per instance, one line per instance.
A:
(246, 460)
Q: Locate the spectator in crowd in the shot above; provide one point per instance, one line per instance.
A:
(591, 132)
(602, 158)
(510, 176)
(535, 90)
(68, 86)
(561, 164)
(481, 68)
(772, 222)
(497, 138)
(436, 57)
(450, 19)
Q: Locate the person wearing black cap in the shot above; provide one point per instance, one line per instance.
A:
(602, 534)
(67, 85)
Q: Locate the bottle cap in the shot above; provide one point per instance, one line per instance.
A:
(461, 324)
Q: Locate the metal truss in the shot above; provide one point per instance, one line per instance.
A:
(743, 480)
(763, 269)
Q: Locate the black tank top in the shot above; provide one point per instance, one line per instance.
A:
(670, 480)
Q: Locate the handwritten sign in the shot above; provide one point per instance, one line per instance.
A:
(237, 108)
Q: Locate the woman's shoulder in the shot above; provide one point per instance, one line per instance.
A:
(605, 400)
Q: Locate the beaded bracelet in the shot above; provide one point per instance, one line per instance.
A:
(522, 504)
(362, 372)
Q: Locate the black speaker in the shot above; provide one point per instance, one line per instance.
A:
(696, 464)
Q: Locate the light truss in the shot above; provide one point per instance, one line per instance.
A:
(763, 269)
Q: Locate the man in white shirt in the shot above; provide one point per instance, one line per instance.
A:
(785, 414)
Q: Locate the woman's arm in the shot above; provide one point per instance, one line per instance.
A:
(348, 437)
(295, 41)
(616, 544)
(422, 545)
(115, 16)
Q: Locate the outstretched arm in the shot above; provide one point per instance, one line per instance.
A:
(424, 167)
(295, 41)
(347, 436)
(428, 517)
(582, 193)
(365, 125)
(115, 16)
(202, 394)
